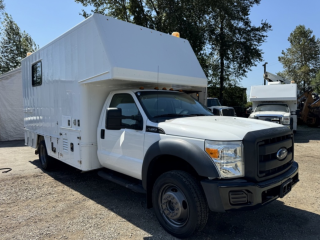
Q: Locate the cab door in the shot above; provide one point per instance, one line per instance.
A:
(122, 150)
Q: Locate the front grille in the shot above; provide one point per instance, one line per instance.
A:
(227, 112)
(260, 148)
(269, 164)
(273, 119)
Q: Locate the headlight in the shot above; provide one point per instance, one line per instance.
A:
(227, 156)
(285, 120)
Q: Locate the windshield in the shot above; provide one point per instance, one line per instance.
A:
(213, 102)
(160, 106)
(272, 107)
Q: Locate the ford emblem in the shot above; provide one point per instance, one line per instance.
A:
(282, 153)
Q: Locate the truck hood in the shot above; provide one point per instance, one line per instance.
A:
(213, 127)
(269, 114)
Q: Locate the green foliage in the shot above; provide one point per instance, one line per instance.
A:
(248, 104)
(233, 95)
(301, 61)
(220, 32)
(2, 6)
(315, 83)
(282, 74)
(14, 45)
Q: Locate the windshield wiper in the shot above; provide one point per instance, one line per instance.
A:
(195, 114)
(170, 115)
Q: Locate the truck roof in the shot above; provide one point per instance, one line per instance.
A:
(102, 48)
(278, 92)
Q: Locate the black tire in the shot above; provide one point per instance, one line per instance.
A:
(180, 204)
(46, 161)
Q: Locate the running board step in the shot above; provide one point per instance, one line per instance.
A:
(123, 180)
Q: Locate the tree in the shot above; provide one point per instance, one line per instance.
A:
(1, 7)
(233, 95)
(220, 32)
(14, 45)
(301, 61)
(233, 39)
(315, 83)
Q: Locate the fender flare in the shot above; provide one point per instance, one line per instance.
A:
(182, 149)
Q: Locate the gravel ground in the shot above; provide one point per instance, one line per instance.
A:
(68, 204)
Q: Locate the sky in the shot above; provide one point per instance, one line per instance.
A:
(46, 20)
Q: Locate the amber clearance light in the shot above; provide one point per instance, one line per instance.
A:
(214, 153)
(176, 34)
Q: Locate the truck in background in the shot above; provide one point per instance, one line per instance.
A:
(275, 102)
(108, 95)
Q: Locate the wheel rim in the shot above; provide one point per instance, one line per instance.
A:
(43, 155)
(173, 205)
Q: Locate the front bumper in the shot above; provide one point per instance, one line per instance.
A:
(222, 194)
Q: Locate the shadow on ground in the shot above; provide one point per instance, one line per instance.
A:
(275, 220)
(306, 134)
(17, 143)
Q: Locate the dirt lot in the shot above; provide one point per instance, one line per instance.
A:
(68, 204)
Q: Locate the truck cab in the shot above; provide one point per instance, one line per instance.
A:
(273, 112)
(164, 137)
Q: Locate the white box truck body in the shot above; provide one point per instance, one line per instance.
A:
(275, 102)
(103, 96)
(80, 69)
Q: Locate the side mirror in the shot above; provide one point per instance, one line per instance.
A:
(113, 118)
(137, 118)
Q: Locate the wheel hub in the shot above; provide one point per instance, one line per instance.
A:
(174, 206)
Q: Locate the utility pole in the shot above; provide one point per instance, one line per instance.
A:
(265, 69)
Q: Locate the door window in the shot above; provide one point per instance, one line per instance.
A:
(129, 109)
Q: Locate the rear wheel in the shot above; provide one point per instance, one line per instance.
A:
(46, 161)
(179, 203)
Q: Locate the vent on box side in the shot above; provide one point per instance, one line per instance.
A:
(65, 145)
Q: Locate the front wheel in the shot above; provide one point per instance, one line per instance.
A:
(179, 203)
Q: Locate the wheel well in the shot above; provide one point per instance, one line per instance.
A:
(39, 139)
(163, 164)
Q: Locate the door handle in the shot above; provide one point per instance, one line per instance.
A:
(102, 133)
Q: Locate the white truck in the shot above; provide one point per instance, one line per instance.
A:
(275, 102)
(108, 95)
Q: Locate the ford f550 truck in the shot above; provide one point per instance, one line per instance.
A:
(109, 95)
